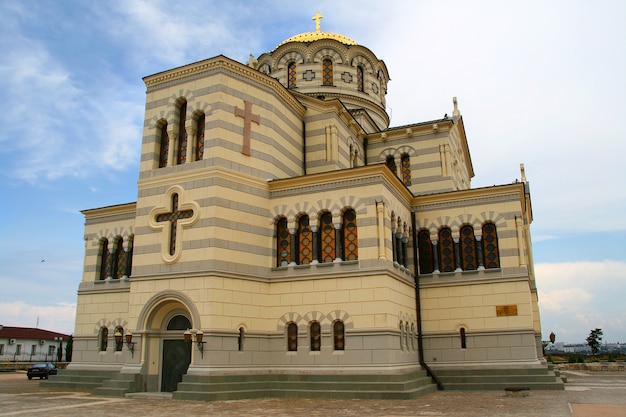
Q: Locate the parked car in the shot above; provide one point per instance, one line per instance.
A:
(41, 370)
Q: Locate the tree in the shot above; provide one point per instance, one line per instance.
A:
(593, 340)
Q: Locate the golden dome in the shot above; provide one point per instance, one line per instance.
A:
(318, 34)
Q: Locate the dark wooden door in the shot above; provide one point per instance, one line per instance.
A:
(176, 360)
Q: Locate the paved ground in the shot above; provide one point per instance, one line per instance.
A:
(587, 394)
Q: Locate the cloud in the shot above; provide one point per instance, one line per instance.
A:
(58, 318)
(575, 297)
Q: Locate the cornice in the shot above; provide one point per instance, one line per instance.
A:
(221, 62)
(125, 210)
(200, 174)
(471, 197)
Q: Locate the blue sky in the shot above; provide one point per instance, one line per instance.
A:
(540, 83)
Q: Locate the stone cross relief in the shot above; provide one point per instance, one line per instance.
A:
(248, 118)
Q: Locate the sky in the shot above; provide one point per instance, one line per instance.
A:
(538, 82)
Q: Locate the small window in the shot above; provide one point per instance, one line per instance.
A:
(164, 146)
(200, 138)
(1, 349)
(283, 243)
(462, 334)
(425, 247)
(103, 339)
(33, 350)
(490, 245)
(291, 75)
(327, 238)
(316, 336)
(240, 340)
(391, 164)
(339, 335)
(292, 337)
(446, 250)
(468, 248)
(305, 241)
(406, 169)
(105, 258)
(327, 72)
(350, 236)
(182, 134)
(359, 78)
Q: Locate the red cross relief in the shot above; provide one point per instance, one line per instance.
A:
(248, 118)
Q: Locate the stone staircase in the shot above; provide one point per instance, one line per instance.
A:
(231, 387)
(497, 379)
(77, 379)
(119, 385)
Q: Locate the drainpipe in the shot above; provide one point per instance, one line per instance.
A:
(420, 340)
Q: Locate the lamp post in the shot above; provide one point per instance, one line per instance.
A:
(199, 343)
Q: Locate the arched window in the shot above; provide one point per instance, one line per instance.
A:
(119, 259)
(462, 334)
(327, 72)
(490, 246)
(103, 339)
(413, 336)
(468, 249)
(305, 241)
(291, 75)
(283, 243)
(446, 250)
(402, 335)
(406, 169)
(240, 339)
(165, 146)
(179, 322)
(118, 345)
(391, 164)
(105, 259)
(327, 238)
(339, 335)
(350, 236)
(425, 248)
(292, 337)
(182, 134)
(200, 138)
(359, 78)
(316, 336)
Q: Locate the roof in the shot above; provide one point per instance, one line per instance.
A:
(7, 332)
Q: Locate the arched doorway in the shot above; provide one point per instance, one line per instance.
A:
(164, 319)
(176, 354)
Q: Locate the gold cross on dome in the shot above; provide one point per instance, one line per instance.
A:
(317, 19)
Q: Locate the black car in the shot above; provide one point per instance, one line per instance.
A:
(41, 370)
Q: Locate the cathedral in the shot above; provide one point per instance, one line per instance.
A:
(287, 242)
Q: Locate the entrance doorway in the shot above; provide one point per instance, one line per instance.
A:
(176, 355)
(176, 360)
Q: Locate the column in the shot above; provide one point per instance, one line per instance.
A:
(479, 252)
(338, 243)
(380, 214)
(457, 255)
(435, 257)
(520, 242)
(173, 146)
(314, 231)
(295, 255)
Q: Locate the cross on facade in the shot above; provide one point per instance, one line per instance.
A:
(173, 218)
(248, 118)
